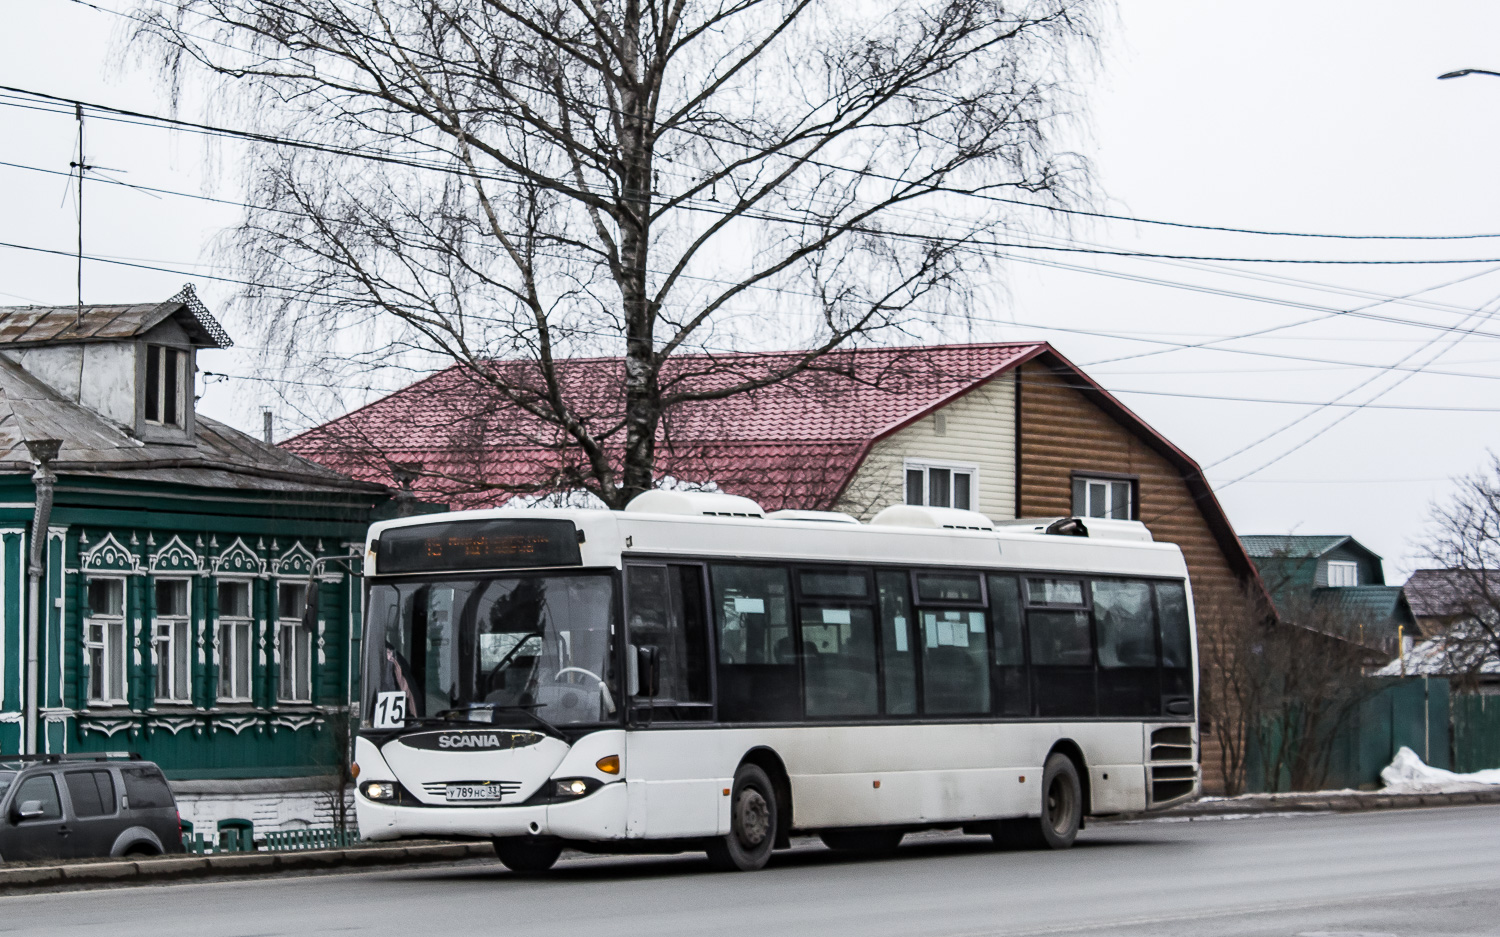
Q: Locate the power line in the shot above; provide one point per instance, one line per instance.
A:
(1056, 209)
(415, 162)
(1094, 333)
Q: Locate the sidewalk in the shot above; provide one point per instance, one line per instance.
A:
(1318, 802)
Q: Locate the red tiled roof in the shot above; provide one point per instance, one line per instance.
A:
(775, 444)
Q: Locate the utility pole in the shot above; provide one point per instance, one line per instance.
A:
(82, 167)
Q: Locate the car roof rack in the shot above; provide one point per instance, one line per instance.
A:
(74, 756)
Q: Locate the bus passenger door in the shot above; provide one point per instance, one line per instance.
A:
(669, 684)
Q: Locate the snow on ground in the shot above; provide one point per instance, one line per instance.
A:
(1407, 774)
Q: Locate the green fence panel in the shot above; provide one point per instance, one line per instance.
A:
(311, 838)
(1476, 732)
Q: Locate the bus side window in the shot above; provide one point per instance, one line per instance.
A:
(664, 610)
(955, 643)
(1128, 681)
(898, 649)
(758, 679)
(1012, 682)
(836, 617)
(1062, 649)
(1176, 641)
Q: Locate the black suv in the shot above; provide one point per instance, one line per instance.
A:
(72, 807)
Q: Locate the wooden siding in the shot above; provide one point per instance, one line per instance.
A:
(980, 430)
(1061, 432)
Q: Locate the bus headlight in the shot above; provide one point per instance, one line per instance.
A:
(381, 791)
(572, 788)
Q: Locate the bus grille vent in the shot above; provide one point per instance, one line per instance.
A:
(1173, 773)
(1172, 743)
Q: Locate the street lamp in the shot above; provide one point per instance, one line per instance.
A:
(1468, 71)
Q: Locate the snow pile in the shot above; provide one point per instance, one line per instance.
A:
(1407, 774)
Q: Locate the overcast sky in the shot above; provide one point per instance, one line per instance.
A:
(1283, 116)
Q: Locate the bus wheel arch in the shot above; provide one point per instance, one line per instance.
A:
(1071, 749)
(768, 761)
(1062, 797)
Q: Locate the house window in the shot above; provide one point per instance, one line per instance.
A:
(235, 630)
(941, 485)
(104, 640)
(1343, 573)
(296, 644)
(171, 641)
(1112, 498)
(166, 385)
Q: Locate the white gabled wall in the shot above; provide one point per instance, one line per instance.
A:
(980, 430)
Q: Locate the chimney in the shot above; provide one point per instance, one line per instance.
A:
(266, 421)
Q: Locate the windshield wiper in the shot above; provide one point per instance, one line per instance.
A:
(527, 709)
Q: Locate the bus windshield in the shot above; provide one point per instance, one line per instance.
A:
(496, 649)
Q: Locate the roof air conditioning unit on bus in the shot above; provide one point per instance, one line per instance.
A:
(695, 503)
(915, 515)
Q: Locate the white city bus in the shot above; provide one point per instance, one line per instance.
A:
(692, 674)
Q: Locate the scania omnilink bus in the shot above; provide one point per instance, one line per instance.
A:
(691, 673)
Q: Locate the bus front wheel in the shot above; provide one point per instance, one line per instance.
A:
(752, 823)
(525, 854)
(1062, 810)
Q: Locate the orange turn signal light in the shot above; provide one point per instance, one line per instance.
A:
(609, 764)
(354, 771)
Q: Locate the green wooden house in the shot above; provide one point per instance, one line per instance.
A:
(1338, 574)
(175, 557)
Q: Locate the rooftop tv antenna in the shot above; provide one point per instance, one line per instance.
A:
(82, 168)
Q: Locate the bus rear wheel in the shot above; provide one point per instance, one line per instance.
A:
(1062, 810)
(752, 823)
(527, 854)
(870, 842)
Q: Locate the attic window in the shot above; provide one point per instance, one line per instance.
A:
(1104, 497)
(1343, 573)
(166, 385)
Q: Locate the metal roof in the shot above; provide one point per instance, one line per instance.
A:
(795, 443)
(1290, 546)
(1448, 593)
(28, 326)
(218, 456)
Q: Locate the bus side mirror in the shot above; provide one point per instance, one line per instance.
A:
(649, 670)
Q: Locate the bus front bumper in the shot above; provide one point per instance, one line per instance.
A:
(596, 816)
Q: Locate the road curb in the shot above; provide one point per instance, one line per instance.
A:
(168, 868)
(1320, 802)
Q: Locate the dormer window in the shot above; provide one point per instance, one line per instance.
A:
(1342, 573)
(166, 385)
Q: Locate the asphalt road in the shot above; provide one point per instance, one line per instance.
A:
(1409, 872)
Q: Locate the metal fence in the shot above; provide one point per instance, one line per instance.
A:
(242, 839)
(1459, 732)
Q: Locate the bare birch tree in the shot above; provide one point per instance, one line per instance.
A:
(483, 181)
(1466, 543)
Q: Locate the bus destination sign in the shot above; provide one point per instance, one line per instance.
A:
(480, 544)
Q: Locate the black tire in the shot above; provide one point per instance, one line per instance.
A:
(1062, 810)
(140, 850)
(876, 842)
(527, 854)
(753, 816)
